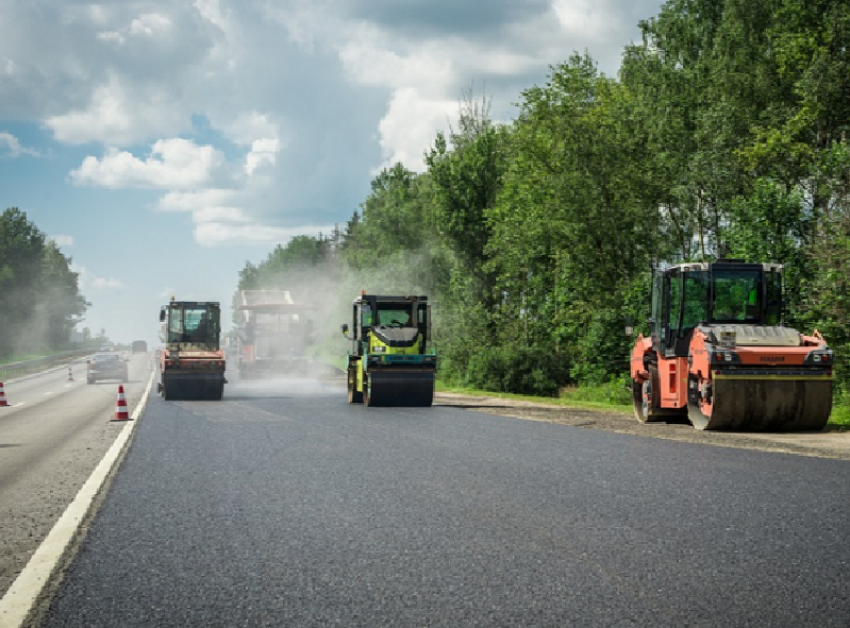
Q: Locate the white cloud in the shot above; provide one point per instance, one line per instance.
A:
(111, 37)
(410, 126)
(119, 113)
(195, 200)
(588, 18)
(216, 233)
(11, 146)
(263, 152)
(150, 25)
(373, 58)
(219, 220)
(211, 11)
(172, 164)
(90, 281)
(219, 214)
(299, 102)
(62, 240)
(248, 126)
(306, 22)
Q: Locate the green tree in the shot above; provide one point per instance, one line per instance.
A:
(395, 217)
(41, 294)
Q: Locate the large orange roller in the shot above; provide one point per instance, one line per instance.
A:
(718, 354)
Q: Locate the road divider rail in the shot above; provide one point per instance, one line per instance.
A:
(26, 367)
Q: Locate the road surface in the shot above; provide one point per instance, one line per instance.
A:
(284, 506)
(52, 435)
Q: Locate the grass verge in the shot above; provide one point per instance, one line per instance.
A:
(840, 417)
(615, 397)
(605, 397)
(22, 358)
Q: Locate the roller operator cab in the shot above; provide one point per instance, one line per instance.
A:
(391, 362)
(720, 356)
(192, 364)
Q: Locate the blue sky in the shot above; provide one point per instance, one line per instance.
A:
(164, 143)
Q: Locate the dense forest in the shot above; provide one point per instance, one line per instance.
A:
(41, 298)
(724, 134)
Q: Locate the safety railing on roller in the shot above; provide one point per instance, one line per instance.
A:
(11, 370)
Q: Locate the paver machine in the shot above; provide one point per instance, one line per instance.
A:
(720, 356)
(391, 362)
(275, 333)
(191, 362)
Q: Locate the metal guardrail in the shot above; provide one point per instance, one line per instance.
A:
(27, 367)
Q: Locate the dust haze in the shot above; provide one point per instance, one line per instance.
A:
(330, 288)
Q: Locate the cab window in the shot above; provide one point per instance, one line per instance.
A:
(674, 310)
(773, 307)
(737, 296)
(394, 317)
(696, 299)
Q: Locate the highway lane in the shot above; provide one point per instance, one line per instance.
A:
(52, 435)
(284, 506)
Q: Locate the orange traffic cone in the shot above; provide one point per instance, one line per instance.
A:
(2, 397)
(121, 406)
(70, 374)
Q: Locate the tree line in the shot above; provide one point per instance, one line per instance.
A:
(724, 134)
(41, 296)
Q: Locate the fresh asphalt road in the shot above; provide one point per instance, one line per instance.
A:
(284, 506)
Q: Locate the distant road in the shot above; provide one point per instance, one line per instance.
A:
(52, 435)
(284, 506)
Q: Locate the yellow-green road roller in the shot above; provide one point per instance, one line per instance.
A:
(391, 361)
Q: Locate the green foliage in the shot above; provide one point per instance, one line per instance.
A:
(724, 133)
(525, 370)
(396, 216)
(41, 301)
(614, 392)
(840, 416)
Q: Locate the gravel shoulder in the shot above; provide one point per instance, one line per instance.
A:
(825, 444)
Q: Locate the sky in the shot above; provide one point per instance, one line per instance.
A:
(162, 144)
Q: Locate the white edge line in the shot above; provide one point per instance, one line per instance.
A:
(20, 597)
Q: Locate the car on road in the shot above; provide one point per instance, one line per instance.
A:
(140, 346)
(106, 366)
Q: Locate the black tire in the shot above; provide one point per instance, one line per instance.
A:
(216, 392)
(354, 396)
(637, 399)
(649, 396)
(695, 414)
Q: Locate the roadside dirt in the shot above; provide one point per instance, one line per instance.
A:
(825, 444)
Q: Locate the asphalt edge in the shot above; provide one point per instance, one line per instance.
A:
(20, 599)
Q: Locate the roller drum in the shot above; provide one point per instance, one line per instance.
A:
(766, 405)
(194, 386)
(400, 388)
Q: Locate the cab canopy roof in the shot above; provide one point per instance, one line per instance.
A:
(728, 264)
(194, 304)
(377, 298)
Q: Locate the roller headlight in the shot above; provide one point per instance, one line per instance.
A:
(819, 357)
(724, 356)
